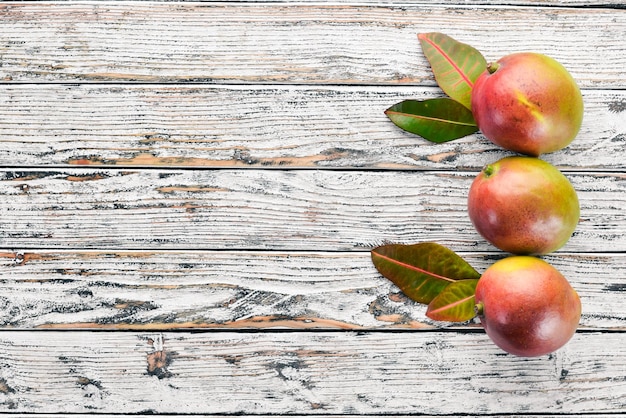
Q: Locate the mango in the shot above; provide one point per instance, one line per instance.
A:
(526, 306)
(528, 103)
(523, 205)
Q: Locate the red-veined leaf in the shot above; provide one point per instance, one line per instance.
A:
(437, 120)
(455, 303)
(422, 270)
(455, 65)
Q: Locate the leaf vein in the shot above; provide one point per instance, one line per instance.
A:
(451, 62)
(415, 268)
(452, 305)
(431, 118)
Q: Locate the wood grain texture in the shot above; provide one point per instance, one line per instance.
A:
(189, 191)
(149, 415)
(37, 415)
(305, 373)
(269, 209)
(290, 42)
(250, 290)
(260, 126)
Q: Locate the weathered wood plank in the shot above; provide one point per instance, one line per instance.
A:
(88, 247)
(268, 209)
(305, 373)
(290, 415)
(290, 42)
(244, 290)
(233, 126)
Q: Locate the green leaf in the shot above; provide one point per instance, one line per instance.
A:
(455, 303)
(456, 66)
(422, 270)
(437, 120)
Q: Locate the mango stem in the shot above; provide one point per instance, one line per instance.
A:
(479, 308)
(492, 67)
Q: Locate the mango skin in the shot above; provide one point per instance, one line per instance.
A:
(530, 104)
(523, 205)
(527, 307)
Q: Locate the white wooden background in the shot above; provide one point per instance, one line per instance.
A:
(189, 192)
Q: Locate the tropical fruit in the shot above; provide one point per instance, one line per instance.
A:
(528, 103)
(527, 307)
(523, 205)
